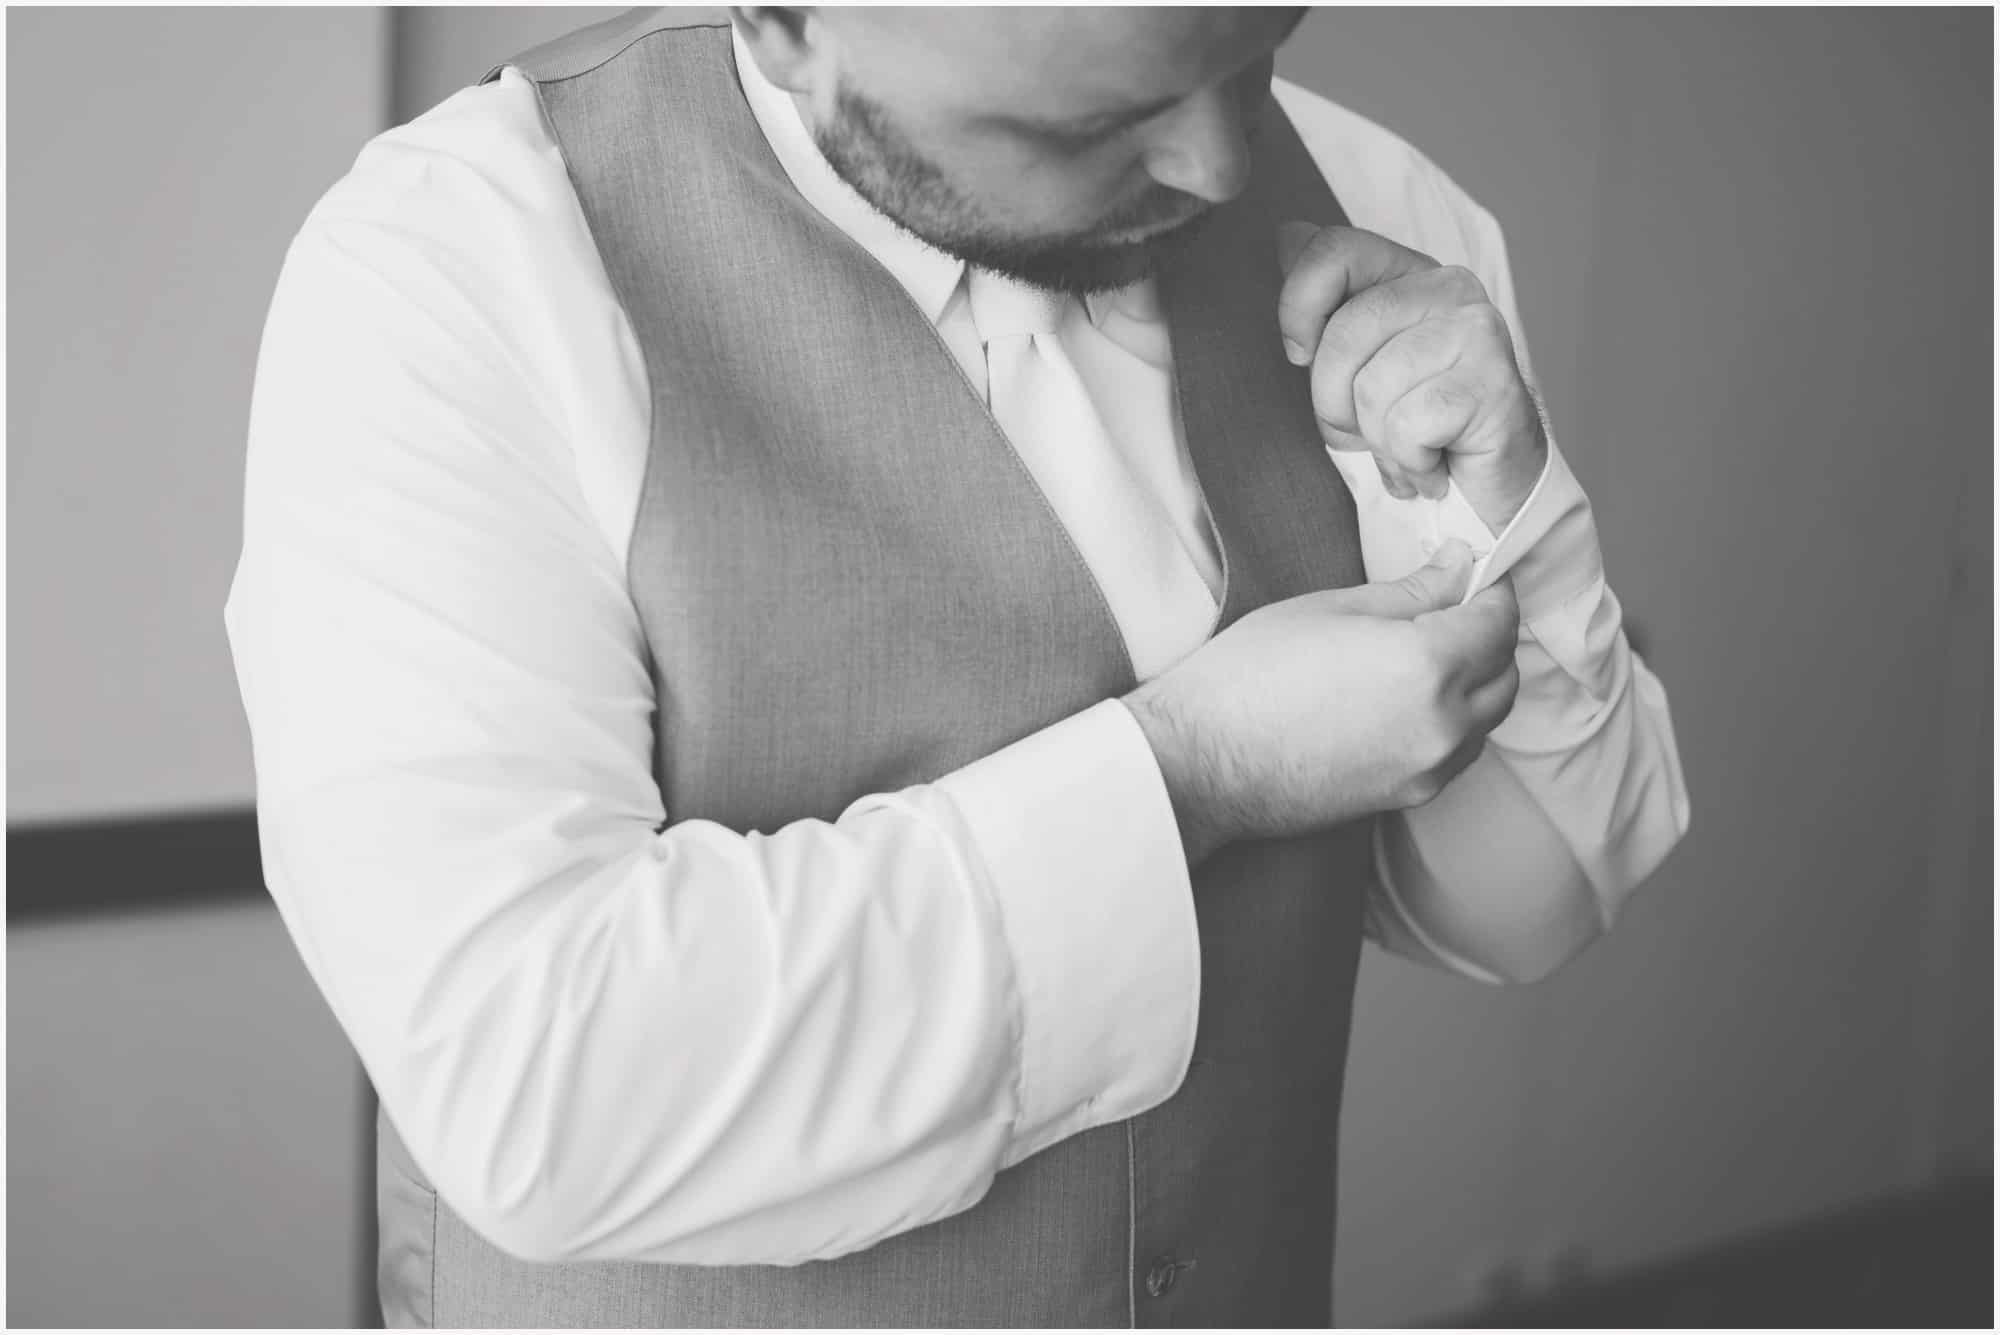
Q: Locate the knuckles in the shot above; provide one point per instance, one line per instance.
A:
(1443, 397)
(1461, 283)
(1426, 419)
(1370, 390)
(1434, 757)
(1489, 326)
(1430, 673)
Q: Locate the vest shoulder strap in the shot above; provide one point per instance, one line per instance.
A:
(581, 51)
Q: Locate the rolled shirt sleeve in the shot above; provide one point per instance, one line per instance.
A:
(1579, 795)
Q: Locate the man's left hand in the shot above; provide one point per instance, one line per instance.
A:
(1410, 360)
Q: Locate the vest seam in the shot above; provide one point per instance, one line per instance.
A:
(1131, 1229)
(610, 56)
(434, 1261)
(625, 312)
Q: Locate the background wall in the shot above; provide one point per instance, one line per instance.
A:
(1753, 253)
(182, 1112)
(147, 222)
(1753, 256)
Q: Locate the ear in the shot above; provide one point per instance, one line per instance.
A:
(789, 42)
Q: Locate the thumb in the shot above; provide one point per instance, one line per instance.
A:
(1431, 587)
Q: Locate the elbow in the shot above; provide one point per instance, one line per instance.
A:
(1548, 952)
(567, 1213)
(528, 1230)
(1525, 972)
(561, 1207)
(1592, 915)
(526, 1225)
(525, 1196)
(540, 1228)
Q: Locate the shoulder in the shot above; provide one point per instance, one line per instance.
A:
(450, 277)
(460, 187)
(1386, 184)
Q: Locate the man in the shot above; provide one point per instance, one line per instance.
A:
(818, 714)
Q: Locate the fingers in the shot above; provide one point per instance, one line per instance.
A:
(1491, 701)
(1394, 480)
(1475, 642)
(1428, 588)
(1293, 238)
(1356, 333)
(1459, 760)
(1332, 266)
(1415, 398)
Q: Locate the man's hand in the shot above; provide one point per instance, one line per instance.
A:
(1333, 705)
(1412, 361)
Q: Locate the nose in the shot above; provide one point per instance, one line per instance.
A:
(1201, 146)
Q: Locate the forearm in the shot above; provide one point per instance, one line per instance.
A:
(601, 1039)
(1531, 853)
(704, 1047)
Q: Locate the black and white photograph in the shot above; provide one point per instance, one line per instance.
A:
(1006, 667)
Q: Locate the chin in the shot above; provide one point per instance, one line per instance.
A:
(1102, 268)
(1104, 263)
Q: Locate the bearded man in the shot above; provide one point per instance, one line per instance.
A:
(850, 617)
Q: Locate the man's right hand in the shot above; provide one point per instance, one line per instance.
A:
(1333, 705)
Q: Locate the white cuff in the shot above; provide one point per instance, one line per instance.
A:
(1549, 547)
(1397, 536)
(1084, 857)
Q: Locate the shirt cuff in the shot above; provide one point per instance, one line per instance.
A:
(1083, 855)
(1549, 547)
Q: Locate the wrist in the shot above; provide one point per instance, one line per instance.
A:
(1498, 484)
(1183, 771)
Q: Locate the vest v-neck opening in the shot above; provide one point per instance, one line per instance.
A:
(844, 591)
(769, 166)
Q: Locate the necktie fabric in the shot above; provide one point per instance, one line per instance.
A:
(1040, 402)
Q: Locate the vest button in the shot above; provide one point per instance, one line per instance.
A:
(1160, 1279)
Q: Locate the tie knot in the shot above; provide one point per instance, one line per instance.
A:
(1003, 307)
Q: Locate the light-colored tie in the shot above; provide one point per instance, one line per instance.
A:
(1156, 592)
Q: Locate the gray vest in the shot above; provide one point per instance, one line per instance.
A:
(850, 583)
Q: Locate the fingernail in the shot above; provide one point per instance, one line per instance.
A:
(1295, 354)
(1451, 552)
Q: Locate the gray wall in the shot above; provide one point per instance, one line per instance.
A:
(184, 1125)
(1753, 251)
(159, 162)
(1753, 255)
(183, 1114)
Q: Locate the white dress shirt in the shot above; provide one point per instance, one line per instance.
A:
(604, 1039)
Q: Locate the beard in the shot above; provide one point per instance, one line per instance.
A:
(868, 152)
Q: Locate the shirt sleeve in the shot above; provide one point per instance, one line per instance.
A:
(1533, 850)
(602, 1035)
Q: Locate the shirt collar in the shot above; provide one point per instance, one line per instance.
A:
(930, 276)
